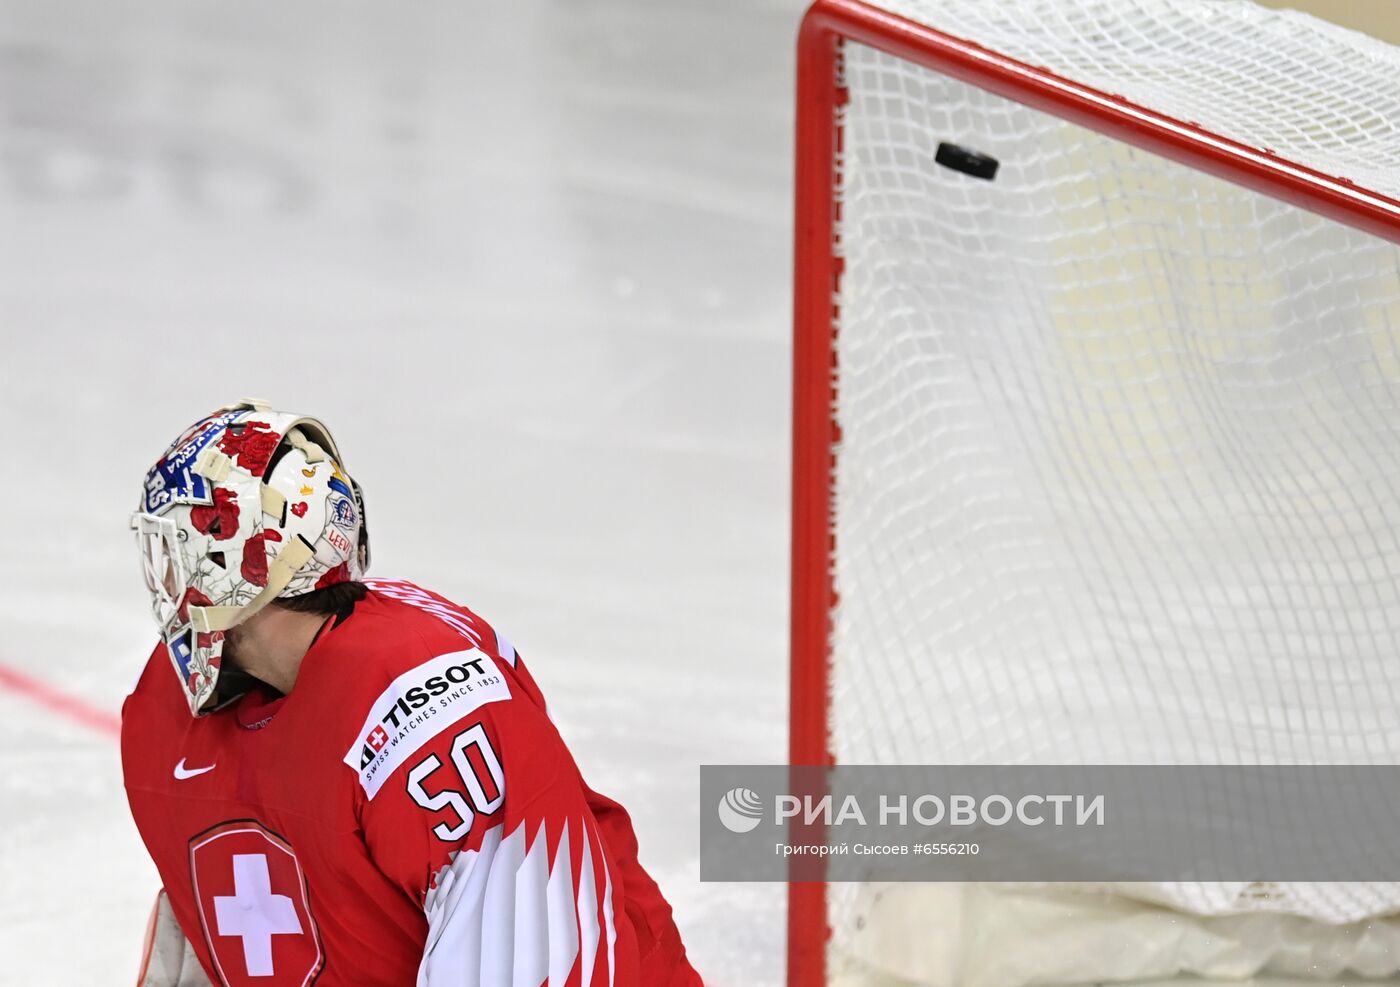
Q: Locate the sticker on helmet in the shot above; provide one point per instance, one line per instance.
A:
(171, 481)
(179, 648)
(343, 514)
(338, 541)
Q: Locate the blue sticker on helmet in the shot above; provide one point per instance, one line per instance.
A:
(340, 486)
(179, 647)
(343, 514)
(171, 481)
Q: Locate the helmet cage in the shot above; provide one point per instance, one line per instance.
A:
(167, 580)
(158, 539)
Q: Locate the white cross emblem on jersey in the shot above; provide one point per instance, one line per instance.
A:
(254, 913)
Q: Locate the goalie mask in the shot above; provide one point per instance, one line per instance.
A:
(248, 506)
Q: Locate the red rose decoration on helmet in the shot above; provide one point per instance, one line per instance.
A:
(251, 445)
(340, 574)
(255, 557)
(192, 598)
(220, 519)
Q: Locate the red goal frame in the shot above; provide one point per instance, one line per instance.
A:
(817, 273)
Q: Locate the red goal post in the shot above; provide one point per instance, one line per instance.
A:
(828, 25)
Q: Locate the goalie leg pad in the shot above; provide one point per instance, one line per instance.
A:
(168, 960)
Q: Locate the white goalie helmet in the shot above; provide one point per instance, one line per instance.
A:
(247, 506)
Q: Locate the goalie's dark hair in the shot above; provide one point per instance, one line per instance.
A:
(332, 601)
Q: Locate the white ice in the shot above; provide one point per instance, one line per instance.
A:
(530, 260)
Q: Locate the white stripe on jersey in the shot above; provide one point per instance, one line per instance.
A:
(563, 913)
(608, 921)
(505, 914)
(530, 900)
(497, 917)
(587, 907)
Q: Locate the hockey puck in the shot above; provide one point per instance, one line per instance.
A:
(967, 161)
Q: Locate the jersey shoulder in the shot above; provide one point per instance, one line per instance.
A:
(399, 623)
(397, 628)
(155, 710)
(156, 675)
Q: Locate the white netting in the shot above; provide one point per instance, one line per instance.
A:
(1120, 470)
(1312, 92)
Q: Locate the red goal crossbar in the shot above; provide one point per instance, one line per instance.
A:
(818, 268)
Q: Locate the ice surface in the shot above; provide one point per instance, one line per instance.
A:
(529, 260)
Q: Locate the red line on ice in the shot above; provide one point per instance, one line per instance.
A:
(77, 710)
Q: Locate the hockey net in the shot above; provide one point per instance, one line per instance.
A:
(1097, 461)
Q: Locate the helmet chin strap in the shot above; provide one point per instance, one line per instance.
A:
(280, 572)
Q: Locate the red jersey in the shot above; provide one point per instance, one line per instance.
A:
(408, 814)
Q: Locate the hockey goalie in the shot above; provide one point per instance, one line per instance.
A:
(350, 782)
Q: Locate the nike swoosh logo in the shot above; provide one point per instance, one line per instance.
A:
(183, 772)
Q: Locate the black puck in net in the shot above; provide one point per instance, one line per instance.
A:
(967, 161)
